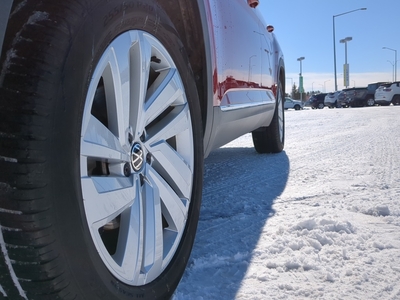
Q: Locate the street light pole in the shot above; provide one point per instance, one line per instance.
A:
(324, 85)
(395, 61)
(392, 70)
(334, 41)
(300, 59)
(291, 87)
(346, 68)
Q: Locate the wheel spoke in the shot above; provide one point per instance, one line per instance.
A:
(164, 92)
(172, 165)
(161, 201)
(129, 253)
(174, 208)
(140, 55)
(105, 198)
(99, 142)
(153, 235)
(177, 121)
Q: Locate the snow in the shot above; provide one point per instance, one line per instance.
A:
(319, 220)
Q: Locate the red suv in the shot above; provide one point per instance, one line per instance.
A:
(107, 111)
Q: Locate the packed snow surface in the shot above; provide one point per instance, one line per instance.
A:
(319, 220)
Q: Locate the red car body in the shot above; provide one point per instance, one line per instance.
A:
(107, 111)
(245, 59)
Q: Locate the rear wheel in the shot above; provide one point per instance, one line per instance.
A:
(370, 101)
(271, 139)
(396, 100)
(102, 158)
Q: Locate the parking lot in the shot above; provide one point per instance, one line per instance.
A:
(319, 220)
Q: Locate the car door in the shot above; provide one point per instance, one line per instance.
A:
(243, 88)
(243, 53)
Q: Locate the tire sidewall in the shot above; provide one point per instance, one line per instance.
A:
(90, 36)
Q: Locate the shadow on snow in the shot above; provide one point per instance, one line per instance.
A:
(240, 187)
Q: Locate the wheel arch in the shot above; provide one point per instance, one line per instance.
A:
(281, 74)
(187, 17)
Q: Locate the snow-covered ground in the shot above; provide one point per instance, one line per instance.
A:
(319, 220)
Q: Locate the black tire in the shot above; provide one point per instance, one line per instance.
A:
(370, 101)
(52, 247)
(396, 100)
(321, 106)
(271, 139)
(297, 107)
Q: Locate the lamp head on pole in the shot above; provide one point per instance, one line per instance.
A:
(387, 48)
(347, 39)
(300, 58)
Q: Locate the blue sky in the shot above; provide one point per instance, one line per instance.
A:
(305, 28)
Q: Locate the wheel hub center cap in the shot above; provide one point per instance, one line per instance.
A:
(137, 157)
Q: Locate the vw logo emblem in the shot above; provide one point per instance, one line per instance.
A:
(137, 158)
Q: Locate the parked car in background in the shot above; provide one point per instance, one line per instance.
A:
(356, 96)
(388, 93)
(316, 101)
(107, 111)
(295, 104)
(342, 100)
(371, 88)
(331, 99)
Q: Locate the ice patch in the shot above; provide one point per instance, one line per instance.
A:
(379, 210)
(292, 264)
(286, 286)
(272, 265)
(381, 246)
(307, 224)
(217, 261)
(330, 277)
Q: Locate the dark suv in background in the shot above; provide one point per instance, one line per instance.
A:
(362, 96)
(356, 97)
(316, 101)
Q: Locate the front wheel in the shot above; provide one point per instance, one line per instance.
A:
(271, 139)
(104, 154)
